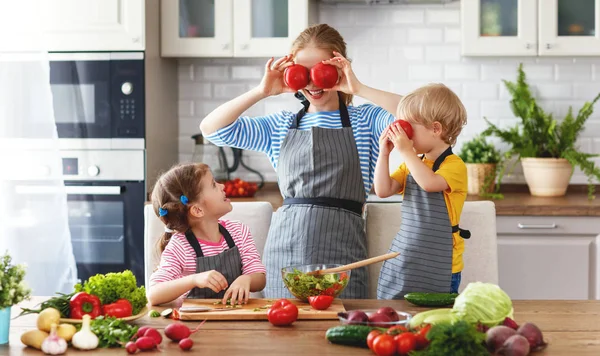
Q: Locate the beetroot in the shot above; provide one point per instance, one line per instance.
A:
(533, 335)
(496, 336)
(186, 344)
(510, 323)
(515, 345)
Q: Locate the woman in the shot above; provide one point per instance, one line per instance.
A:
(324, 157)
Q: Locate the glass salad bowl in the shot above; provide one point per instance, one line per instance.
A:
(302, 285)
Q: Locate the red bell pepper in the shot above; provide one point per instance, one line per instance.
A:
(282, 312)
(120, 309)
(83, 303)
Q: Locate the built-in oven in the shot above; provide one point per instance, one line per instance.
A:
(105, 195)
(98, 95)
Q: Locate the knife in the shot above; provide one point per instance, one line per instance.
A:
(204, 309)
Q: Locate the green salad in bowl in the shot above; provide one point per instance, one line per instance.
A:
(302, 285)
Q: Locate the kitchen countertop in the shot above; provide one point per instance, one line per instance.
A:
(517, 201)
(570, 328)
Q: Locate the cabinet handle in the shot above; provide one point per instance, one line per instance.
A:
(528, 46)
(533, 226)
(245, 46)
(225, 46)
(548, 46)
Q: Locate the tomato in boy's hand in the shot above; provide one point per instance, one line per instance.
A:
(296, 76)
(406, 126)
(325, 76)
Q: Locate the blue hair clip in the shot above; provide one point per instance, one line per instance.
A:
(162, 212)
(183, 199)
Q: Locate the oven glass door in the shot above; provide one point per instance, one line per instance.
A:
(81, 98)
(106, 225)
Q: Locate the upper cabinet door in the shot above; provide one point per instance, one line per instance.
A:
(75, 25)
(197, 28)
(569, 27)
(499, 27)
(266, 28)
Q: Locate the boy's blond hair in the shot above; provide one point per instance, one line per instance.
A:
(431, 103)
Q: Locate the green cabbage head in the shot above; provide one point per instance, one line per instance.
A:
(483, 302)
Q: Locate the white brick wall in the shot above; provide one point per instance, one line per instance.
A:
(398, 48)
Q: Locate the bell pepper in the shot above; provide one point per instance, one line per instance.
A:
(83, 303)
(120, 309)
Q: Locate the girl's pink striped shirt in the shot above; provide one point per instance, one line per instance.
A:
(179, 258)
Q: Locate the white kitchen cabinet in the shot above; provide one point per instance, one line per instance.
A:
(547, 257)
(530, 27)
(75, 25)
(232, 28)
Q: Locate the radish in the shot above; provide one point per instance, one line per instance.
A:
(153, 333)
(186, 344)
(145, 343)
(178, 331)
(131, 348)
(141, 331)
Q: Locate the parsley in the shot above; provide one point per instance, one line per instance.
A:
(112, 332)
(458, 339)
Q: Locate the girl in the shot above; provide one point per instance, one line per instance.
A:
(201, 255)
(324, 156)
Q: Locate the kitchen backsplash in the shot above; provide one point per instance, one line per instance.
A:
(398, 48)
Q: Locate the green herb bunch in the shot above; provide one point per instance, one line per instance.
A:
(478, 150)
(13, 289)
(458, 339)
(540, 135)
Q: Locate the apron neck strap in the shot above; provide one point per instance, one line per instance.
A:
(345, 117)
(441, 158)
(193, 241)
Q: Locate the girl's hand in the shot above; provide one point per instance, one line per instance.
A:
(239, 290)
(385, 144)
(348, 83)
(400, 140)
(211, 279)
(272, 82)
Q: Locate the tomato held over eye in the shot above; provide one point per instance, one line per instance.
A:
(325, 76)
(406, 126)
(296, 76)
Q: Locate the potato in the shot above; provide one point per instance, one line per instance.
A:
(34, 338)
(66, 331)
(46, 318)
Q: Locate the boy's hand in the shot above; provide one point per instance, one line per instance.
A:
(211, 279)
(400, 140)
(239, 290)
(385, 144)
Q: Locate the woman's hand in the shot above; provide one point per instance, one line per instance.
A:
(348, 83)
(239, 290)
(272, 82)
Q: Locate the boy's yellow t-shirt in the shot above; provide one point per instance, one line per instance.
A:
(454, 171)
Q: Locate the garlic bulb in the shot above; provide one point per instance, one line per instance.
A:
(54, 345)
(85, 339)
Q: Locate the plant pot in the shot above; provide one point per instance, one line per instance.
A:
(477, 174)
(4, 325)
(547, 177)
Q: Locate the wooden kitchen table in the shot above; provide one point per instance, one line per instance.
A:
(571, 328)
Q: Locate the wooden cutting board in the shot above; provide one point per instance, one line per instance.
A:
(247, 311)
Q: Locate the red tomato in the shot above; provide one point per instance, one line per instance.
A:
(395, 330)
(406, 126)
(384, 345)
(421, 337)
(241, 191)
(406, 342)
(296, 76)
(282, 312)
(320, 302)
(324, 76)
(372, 335)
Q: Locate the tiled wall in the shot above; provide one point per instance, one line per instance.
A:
(398, 48)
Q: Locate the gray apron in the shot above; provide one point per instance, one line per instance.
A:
(424, 242)
(320, 221)
(228, 263)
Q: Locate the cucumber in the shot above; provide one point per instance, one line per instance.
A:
(350, 335)
(431, 299)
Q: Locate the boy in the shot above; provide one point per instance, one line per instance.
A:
(434, 188)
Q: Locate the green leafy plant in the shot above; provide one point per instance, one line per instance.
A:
(540, 135)
(13, 289)
(479, 151)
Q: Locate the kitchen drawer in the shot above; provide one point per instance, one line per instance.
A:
(548, 225)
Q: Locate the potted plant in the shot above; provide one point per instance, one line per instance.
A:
(12, 291)
(546, 147)
(481, 159)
